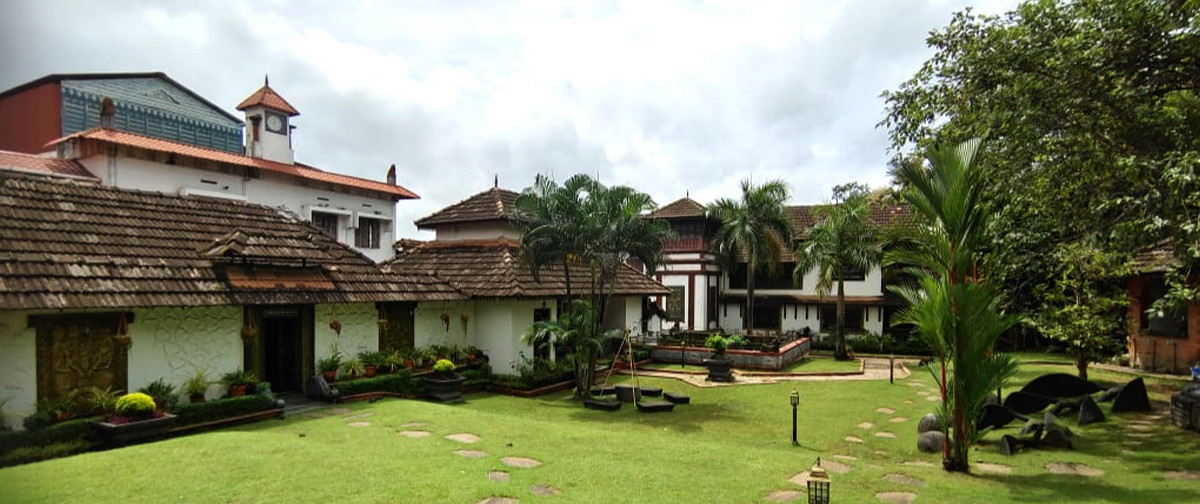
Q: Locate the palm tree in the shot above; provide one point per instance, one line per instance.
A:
(843, 239)
(755, 227)
(952, 310)
(552, 220)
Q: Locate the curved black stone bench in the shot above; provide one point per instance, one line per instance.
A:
(602, 404)
(1060, 386)
(628, 393)
(655, 406)
(652, 391)
(602, 390)
(677, 398)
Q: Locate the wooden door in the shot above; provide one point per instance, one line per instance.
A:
(80, 351)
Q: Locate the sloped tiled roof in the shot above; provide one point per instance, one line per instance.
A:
(681, 208)
(804, 217)
(493, 268)
(19, 162)
(1158, 259)
(142, 88)
(267, 97)
(66, 244)
(492, 204)
(118, 137)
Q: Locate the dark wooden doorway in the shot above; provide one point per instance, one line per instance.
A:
(283, 348)
(399, 331)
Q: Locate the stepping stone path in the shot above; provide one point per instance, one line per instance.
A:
(918, 463)
(360, 415)
(340, 411)
(888, 435)
(800, 479)
(463, 437)
(498, 476)
(1074, 468)
(885, 411)
(315, 415)
(472, 454)
(784, 495)
(845, 457)
(1127, 451)
(866, 425)
(898, 419)
(835, 467)
(359, 424)
(499, 500)
(1182, 475)
(908, 401)
(543, 490)
(414, 434)
(521, 462)
(923, 392)
(1141, 426)
(896, 497)
(414, 424)
(903, 480)
(853, 439)
(932, 398)
(987, 468)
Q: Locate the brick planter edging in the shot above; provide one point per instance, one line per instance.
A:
(742, 359)
(554, 387)
(862, 366)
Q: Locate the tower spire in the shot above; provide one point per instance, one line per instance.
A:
(496, 183)
(266, 80)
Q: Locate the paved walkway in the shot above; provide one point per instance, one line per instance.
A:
(873, 369)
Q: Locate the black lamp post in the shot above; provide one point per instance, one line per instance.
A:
(818, 485)
(795, 400)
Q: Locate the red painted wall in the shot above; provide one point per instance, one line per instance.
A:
(31, 118)
(1156, 352)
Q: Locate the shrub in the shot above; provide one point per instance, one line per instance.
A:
(135, 405)
(235, 378)
(207, 411)
(70, 430)
(717, 343)
(737, 341)
(27, 454)
(400, 382)
(163, 394)
(443, 367)
(197, 384)
(103, 401)
(477, 376)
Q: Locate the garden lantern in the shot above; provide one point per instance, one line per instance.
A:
(818, 485)
(795, 400)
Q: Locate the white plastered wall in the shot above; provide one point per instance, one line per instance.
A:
(428, 328)
(173, 343)
(18, 367)
(360, 328)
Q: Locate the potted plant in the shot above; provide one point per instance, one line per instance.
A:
(411, 356)
(393, 360)
(238, 382)
(163, 394)
(719, 367)
(136, 417)
(371, 361)
(444, 384)
(196, 386)
(328, 366)
(429, 355)
(352, 368)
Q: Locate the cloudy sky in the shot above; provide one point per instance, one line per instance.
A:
(669, 97)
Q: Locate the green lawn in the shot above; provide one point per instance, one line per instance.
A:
(822, 365)
(731, 445)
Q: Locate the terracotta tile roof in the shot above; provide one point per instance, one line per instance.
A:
(19, 162)
(267, 97)
(681, 208)
(66, 244)
(804, 217)
(118, 137)
(493, 268)
(1156, 260)
(492, 204)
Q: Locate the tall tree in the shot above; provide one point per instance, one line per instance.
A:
(1093, 118)
(952, 310)
(843, 239)
(1086, 307)
(755, 227)
(585, 222)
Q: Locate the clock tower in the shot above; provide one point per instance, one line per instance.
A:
(268, 125)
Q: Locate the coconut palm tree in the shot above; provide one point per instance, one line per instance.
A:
(951, 309)
(844, 239)
(755, 227)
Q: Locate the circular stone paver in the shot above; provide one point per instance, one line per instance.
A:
(463, 437)
(499, 500)
(316, 415)
(339, 411)
(521, 462)
(885, 411)
(356, 417)
(898, 419)
(866, 425)
(414, 424)
(845, 457)
(987, 468)
(933, 398)
(923, 392)
(896, 497)
(414, 433)
(903, 480)
(473, 454)
(888, 435)
(908, 401)
(800, 479)
(1127, 451)
(1074, 468)
(1182, 475)
(543, 490)
(1141, 427)
(784, 495)
(834, 466)
(359, 424)
(498, 476)
(853, 439)
(918, 463)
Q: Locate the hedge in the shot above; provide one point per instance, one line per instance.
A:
(400, 382)
(79, 429)
(207, 411)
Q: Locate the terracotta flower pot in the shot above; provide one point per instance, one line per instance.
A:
(369, 370)
(330, 376)
(196, 398)
(237, 390)
(410, 364)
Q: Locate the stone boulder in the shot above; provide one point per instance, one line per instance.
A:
(1089, 411)
(928, 423)
(995, 416)
(1132, 397)
(931, 442)
(1027, 403)
(1060, 385)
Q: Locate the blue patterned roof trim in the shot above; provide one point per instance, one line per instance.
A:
(154, 93)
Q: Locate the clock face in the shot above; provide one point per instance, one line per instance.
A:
(275, 123)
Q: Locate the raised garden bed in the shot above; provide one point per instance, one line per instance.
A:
(741, 359)
(121, 434)
(546, 389)
(181, 430)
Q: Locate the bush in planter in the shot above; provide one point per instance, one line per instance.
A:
(70, 430)
(444, 368)
(481, 375)
(737, 341)
(136, 405)
(163, 394)
(189, 414)
(196, 386)
(718, 344)
(400, 382)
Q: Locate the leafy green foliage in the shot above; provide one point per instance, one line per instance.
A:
(239, 377)
(79, 429)
(756, 228)
(400, 382)
(197, 384)
(189, 414)
(443, 367)
(163, 394)
(1085, 308)
(135, 405)
(718, 344)
(27, 454)
(842, 239)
